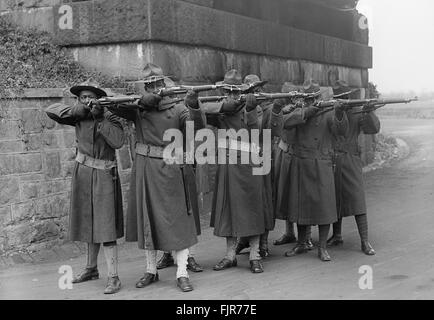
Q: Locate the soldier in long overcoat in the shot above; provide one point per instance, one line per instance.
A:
(239, 200)
(96, 214)
(350, 190)
(312, 191)
(158, 214)
(264, 117)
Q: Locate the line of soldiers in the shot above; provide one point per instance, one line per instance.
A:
(316, 177)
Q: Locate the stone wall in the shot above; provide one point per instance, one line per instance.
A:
(36, 161)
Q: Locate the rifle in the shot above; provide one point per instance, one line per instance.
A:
(107, 101)
(374, 104)
(164, 92)
(381, 103)
(263, 96)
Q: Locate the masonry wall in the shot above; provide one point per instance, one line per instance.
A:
(36, 161)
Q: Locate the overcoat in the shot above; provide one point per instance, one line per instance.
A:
(239, 207)
(157, 216)
(350, 191)
(96, 214)
(281, 170)
(311, 194)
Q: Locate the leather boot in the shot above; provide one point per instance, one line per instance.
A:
(323, 254)
(113, 285)
(256, 266)
(298, 249)
(367, 248)
(225, 264)
(86, 275)
(192, 265)
(335, 240)
(284, 239)
(166, 261)
(146, 280)
(184, 284)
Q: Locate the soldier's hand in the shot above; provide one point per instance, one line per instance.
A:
(251, 102)
(369, 108)
(97, 110)
(191, 99)
(231, 105)
(278, 105)
(310, 111)
(150, 100)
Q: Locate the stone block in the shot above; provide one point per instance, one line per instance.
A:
(53, 206)
(37, 189)
(69, 138)
(39, 18)
(34, 120)
(20, 163)
(23, 211)
(5, 215)
(104, 21)
(52, 164)
(9, 129)
(9, 191)
(14, 146)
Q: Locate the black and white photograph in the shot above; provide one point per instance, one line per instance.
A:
(216, 154)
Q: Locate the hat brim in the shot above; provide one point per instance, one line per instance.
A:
(169, 82)
(77, 89)
(232, 87)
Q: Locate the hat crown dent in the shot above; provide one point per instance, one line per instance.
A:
(152, 73)
(232, 77)
(341, 88)
(251, 79)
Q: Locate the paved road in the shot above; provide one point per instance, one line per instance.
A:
(401, 219)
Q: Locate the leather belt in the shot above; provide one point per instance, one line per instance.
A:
(310, 153)
(243, 146)
(353, 149)
(148, 150)
(95, 163)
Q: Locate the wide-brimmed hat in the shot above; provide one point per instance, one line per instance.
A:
(252, 80)
(289, 87)
(88, 85)
(152, 73)
(310, 86)
(233, 81)
(342, 89)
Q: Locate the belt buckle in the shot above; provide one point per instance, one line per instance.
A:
(147, 149)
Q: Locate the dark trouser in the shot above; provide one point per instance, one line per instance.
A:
(304, 234)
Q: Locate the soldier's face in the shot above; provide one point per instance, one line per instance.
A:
(155, 86)
(86, 96)
(232, 94)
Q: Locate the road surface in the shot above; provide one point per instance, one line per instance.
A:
(401, 220)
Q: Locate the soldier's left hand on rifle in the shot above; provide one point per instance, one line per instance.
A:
(150, 101)
(251, 102)
(96, 109)
(191, 99)
(339, 110)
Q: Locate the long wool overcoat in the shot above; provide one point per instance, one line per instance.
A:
(240, 203)
(96, 214)
(311, 194)
(350, 190)
(281, 171)
(157, 216)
